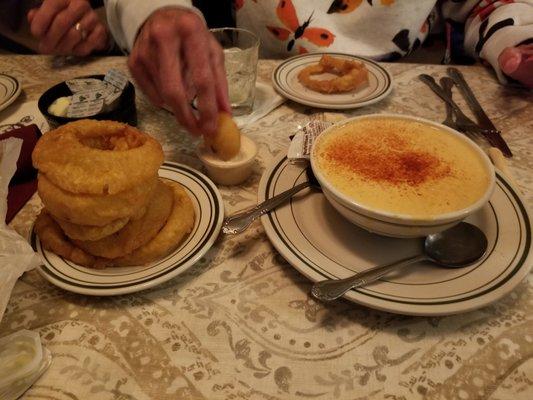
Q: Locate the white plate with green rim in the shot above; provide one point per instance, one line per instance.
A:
(321, 244)
(285, 81)
(10, 89)
(209, 209)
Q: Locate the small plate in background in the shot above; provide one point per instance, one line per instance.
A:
(285, 81)
(9, 90)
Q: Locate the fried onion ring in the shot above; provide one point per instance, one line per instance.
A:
(137, 232)
(350, 75)
(53, 239)
(89, 209)
(88, 232)
(97, 157)
(227, 141)
(179, 224)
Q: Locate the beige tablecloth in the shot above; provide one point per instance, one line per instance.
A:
(241, 325)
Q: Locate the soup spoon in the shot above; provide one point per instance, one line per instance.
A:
(240, 222)
(455, 247)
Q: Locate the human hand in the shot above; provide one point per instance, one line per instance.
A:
(517, 63)
(175, 57)
(67, 27)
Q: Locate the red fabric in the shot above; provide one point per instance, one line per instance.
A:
(24, 183)
(18, 196)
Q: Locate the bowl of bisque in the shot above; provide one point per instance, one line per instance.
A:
(401, 176)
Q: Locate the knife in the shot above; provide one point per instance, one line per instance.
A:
(493, 134)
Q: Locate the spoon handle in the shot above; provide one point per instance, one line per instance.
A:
(332, 289)
(239, 222)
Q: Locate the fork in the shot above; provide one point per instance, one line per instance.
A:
(447, 85)
(461, 119)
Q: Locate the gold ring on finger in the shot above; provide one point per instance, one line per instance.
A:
(83, 32)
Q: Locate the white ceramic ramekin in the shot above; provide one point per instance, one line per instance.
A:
(231, 172)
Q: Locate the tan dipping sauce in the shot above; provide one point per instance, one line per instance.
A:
(402, 167)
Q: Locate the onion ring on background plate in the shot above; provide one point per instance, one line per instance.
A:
(87, 209)
(136, 232)
(179, 224)
(97, 157)
(350, 75)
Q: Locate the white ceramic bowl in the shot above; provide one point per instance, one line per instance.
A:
(399, 225)
(231, 172)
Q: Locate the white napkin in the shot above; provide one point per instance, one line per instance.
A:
(16, 254)
(266, 100)
(22, 114)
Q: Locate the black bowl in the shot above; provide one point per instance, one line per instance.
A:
(125, 111)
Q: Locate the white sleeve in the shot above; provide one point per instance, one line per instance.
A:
(491, 26)
(125, 17)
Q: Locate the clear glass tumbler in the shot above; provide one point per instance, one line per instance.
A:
(241, 48)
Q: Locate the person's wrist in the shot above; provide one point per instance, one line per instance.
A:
(176, 12)
(169, 13)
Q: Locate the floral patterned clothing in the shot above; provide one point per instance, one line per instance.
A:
(379, 29)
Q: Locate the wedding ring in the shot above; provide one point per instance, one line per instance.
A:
(82, 31)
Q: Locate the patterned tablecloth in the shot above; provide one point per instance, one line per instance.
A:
(241, 325)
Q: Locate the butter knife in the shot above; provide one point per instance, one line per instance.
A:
(492, 134)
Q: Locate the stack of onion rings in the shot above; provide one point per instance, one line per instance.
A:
(104, 203)
(350, 75)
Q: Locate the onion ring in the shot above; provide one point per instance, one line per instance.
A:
(97, 157)
(88, 232)
(226, 142)
(179, 224)
(88, 209)
(350, 75)
(53, 239)
(137, 232)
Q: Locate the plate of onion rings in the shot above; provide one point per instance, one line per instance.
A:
(209, 211)
(332, 80)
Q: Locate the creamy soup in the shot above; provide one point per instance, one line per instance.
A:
(402, 166)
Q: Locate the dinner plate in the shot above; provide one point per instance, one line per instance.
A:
(321, 244)
(285, 81)
(209, 210)
(9, 90)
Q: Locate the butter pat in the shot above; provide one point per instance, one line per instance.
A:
(233, 171)
(22, 361)
(60, 106)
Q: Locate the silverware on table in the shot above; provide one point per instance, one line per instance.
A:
(240, 222)
(492, 133)
(447, 85)
(495, 154)
(456, 247)
(461, 119)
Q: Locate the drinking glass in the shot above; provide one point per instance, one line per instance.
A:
(241, 48)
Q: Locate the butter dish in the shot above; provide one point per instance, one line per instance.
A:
(22, 361)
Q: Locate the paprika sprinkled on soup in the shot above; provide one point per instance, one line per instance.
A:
(402, 166)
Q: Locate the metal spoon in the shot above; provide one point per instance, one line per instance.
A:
(455, 247)
(240, 222)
